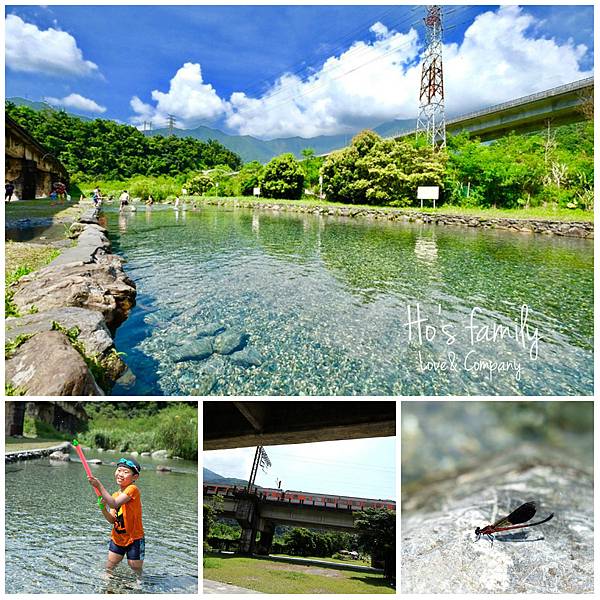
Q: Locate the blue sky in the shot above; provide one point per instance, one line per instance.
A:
(362, 468)
(277, 71)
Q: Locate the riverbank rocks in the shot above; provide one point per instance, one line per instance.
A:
(94, 334)
(48, 365)
(59, 456)
(85, 287)
(160, 454)
(163, 469)
(230, 341)
(94, 286)
(582, 229)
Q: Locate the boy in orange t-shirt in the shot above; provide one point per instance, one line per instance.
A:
(127, 535)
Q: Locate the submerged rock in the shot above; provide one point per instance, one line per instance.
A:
(163, 469)
(205, 384)
(230, 341)
(210, 330)
(248, 357)
(195, 350)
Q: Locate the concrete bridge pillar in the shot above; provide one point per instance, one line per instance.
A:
(246, 514)
(267, 531)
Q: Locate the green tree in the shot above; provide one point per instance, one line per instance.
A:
(282, 178)
(210, 514)
(249, 177)
(311, 165)
(376, 530)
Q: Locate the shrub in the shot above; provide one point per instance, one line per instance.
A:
(283, 178)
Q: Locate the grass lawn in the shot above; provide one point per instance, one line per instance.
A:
(13, 444)
(273, 577)
(25, 258)
(348, 561)
(548, 213)
(41, 207)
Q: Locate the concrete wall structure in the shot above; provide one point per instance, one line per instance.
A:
(243, 424)
(29, 166)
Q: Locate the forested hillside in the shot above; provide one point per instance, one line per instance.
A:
(107, 150)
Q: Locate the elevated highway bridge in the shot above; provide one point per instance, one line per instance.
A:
(262, 510)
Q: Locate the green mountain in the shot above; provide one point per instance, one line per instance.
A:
(17, 101)
(209, 476)
(250, 148)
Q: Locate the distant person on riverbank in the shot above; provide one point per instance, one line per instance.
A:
(9, 188)
(123, 199)
(177, 201)
(150, 200)
(125, 515)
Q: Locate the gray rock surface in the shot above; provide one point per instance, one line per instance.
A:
(60, 456)
(438, 552)
(210, 329)
(194, 350)
(47, 365)
(230, 341)
(160, 454)
(94, 286)
(248, 357)
(94, 334)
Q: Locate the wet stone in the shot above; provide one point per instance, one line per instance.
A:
(196, 350)
(209, 330)
(248, 357)
(230, 341)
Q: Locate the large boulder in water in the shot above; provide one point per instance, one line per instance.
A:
(248, 357)
(194, 350)
(230, 341)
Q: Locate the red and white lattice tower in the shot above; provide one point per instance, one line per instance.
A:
(432, 120)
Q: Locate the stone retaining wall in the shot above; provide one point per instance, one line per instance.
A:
(85, 287)
(582, 229)
(11, 457)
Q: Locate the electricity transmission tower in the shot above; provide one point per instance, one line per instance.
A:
(170, 123)
(432, 120)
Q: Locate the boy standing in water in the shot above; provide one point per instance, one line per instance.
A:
(127, 537)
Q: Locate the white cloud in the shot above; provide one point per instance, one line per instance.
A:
(501, 57)
(370, 82)
(76, 101)
(52, 52)
(499, 61)
(188, 99)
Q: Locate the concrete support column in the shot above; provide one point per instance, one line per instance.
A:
(246, 514)
(265, 543)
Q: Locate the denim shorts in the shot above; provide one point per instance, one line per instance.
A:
(135, 550)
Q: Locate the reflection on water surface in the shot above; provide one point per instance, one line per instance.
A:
(322, 306)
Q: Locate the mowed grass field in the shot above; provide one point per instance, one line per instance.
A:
(270, 577)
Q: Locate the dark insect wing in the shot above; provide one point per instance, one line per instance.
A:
(519, 515)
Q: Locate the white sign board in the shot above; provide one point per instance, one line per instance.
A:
(428, 192)
(256, 191)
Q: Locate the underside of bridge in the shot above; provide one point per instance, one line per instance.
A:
(269, 423)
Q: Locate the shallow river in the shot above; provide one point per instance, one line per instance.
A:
(324, 305)
(57, 539)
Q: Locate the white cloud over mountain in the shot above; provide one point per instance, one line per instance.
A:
(501, 57)
(77, 102)
(189, 99)
(51, 51)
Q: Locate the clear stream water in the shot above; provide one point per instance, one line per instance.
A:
(57, 540)
(325, 303)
